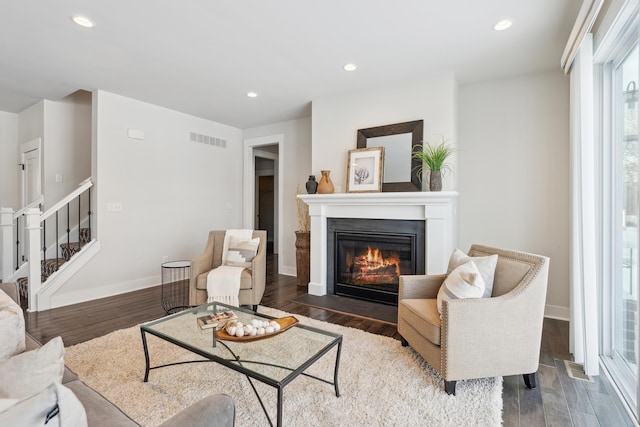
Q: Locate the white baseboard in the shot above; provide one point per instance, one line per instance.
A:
(316, 289)
(85, 295)
(557, 312)
(287, 271)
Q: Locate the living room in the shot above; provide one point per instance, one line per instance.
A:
(510, 126)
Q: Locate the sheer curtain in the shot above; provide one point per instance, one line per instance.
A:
(584, 306)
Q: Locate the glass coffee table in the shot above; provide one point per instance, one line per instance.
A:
(276, 360)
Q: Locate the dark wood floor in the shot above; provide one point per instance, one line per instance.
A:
(557, 401)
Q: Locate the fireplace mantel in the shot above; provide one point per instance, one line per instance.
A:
(437, 209)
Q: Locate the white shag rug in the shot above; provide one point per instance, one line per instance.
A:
(381, 384)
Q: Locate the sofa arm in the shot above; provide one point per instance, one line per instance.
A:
(199, 265)
(259, 276)
(498, 336)
(11, 289)
(420, 286)
(215, 410)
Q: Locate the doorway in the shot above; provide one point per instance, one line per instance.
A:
(31, 177)
(257, 151)
(265, 200)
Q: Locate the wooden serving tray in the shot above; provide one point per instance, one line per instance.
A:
(284, 322)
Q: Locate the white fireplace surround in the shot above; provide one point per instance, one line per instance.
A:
(437, 209)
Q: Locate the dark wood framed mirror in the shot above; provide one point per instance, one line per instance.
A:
(398, 141)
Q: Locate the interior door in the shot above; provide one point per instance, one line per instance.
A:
(31, 171)
(266, 207)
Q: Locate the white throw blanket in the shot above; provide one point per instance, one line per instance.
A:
(223, 283)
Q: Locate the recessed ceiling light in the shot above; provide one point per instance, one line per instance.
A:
(502, 25)
(252, 94)
(350, 67)
(83, 21)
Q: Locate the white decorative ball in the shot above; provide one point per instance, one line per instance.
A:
(261, 331)
(269, 329)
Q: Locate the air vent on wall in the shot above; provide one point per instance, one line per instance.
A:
(208, 140)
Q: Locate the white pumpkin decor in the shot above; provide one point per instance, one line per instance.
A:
(256, 327)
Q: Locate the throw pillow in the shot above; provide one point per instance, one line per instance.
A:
(11, 327)
(32, 371)
(55, 406)
(241, 253)
(486, 266)
(465, 281)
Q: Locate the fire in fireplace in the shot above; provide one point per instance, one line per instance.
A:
(372, 268)
(367, 257)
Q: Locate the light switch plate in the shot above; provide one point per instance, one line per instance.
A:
(114, 207)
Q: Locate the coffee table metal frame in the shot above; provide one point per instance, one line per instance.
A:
(236, 363)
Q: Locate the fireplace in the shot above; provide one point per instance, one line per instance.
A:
(367, 256)
(436, 210)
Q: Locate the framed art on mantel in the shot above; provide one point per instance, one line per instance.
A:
(364, 170)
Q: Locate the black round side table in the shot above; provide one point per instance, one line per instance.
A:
(175, 286)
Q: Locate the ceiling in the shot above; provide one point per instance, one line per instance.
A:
(201, 57)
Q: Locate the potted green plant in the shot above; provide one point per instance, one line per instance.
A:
(433, 158)
(303, 241)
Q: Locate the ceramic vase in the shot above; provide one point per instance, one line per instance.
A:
(435, 181)
(312, 185)
(325, 186)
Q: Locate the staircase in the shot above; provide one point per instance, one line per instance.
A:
(50, 266)
(38, 251)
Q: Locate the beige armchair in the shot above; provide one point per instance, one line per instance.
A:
(252, 282)
(484, 337)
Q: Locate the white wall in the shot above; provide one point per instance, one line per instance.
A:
(31, 123)
(173, 191)
(513, 171)
(67, 145)
(296, 161)
(9, 172)
(65, 129)
(337, 119)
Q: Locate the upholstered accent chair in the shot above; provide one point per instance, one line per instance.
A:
(479, 337)
(252, 281)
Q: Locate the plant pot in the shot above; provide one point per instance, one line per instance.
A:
(435, 181)
(303, 257)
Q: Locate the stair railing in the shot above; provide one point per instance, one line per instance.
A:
(57, 213)
(40, 233)
(12, 235)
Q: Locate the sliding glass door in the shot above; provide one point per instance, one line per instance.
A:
(620, 332)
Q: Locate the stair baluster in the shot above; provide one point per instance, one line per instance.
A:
(57, 245)
(68, 228)
(17, 243)
(79, 216)
(89, 212)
